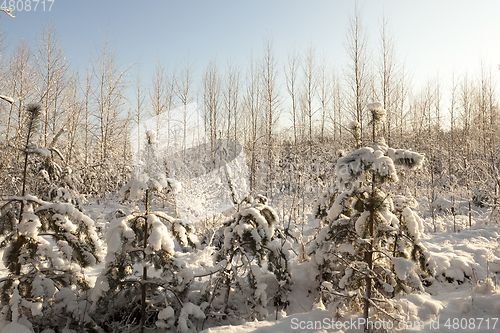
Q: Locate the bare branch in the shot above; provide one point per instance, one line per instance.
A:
(8, 12)
(7, 98)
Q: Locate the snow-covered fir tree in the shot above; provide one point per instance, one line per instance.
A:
(327, 197)
(56, 183)
(144, 282)
(251, 250)
(370, 246)
(46, 246)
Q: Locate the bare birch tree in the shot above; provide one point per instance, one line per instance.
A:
(324, 96)
(107, 95)
(231, 101)
(357, 71)
(52, 75)
(212, 104)
(386, 70)
(291, 75)
(161, 97)
(19, 86)
(310, 86)
(270, 91)
(75, 109)
(270, 104)
(183, 91)
(139, 107)
(252, 104)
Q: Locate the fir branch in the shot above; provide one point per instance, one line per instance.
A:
(381, 310)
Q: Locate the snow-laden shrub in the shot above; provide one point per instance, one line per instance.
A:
(407, 242)
(61, 187)
(368, 248)
(324, 203)
(53, 182)
(45, 246)
(45, 253)
(142, 252)
(102, 177)
(144, 282)
(250, 251)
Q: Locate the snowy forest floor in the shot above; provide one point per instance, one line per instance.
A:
(462, 255)
(459, 297)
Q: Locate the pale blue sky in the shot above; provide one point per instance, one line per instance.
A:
(435, 36)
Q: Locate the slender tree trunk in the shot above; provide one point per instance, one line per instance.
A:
(145, 268)
(20, 239)
(369, 255)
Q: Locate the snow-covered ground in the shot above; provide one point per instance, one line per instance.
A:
(467, 304)
(462, 261)
(465, 296)
(461, 299)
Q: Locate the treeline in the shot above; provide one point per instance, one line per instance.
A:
(279, 109)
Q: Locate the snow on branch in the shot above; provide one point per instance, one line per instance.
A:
(377, 110)
(7, 98)
(7, 11)
(352, 168)
(409, 159)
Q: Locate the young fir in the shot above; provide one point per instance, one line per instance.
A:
(327, 197)
(249, 241)
(54, 182)
(369, 247)
(143, 278)
(46, 246)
